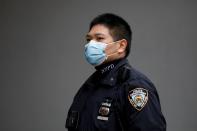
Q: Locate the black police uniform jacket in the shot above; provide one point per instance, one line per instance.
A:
(116, 98)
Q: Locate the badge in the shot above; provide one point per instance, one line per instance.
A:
(138, 98)
(104, 110)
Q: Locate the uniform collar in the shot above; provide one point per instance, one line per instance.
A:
(107, 72)
(107, 67)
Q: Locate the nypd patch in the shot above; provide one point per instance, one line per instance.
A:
(138, 98)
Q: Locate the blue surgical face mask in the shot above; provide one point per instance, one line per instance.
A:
(95, 52)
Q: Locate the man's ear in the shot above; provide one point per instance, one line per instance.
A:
(123, 45)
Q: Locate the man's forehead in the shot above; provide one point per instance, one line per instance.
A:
(98, 30)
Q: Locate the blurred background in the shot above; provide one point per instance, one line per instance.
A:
(42, 63)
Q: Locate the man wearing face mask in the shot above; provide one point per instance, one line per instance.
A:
(116, 97)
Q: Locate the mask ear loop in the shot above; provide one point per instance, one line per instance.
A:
(114, 52)
(113, 42)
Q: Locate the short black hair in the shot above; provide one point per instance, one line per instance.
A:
(119, 28)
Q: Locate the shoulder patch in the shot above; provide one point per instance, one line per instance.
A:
(138, 98)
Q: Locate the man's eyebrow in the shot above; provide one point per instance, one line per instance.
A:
(96, 34)
(88, 36)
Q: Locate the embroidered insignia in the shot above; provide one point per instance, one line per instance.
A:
(138, 98)
(110, 67)
(104, 110)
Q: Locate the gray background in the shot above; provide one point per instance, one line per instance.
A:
(42, 63)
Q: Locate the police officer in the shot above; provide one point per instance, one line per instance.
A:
(116, 97)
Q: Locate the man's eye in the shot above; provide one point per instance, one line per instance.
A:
(88, 40)
(100, 38)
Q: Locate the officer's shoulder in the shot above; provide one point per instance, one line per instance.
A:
(89, 83)
(132, 78)
(86, 85)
